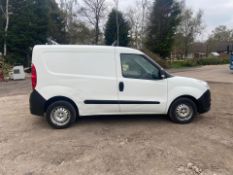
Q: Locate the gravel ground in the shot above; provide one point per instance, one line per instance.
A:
(218, 73)
(119, 145)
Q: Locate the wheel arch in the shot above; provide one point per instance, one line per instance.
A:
(184, 96)
(61, 98)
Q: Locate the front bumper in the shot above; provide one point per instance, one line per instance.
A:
(204, 102)
(37, 104)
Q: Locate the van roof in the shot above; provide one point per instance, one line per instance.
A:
(89, 47)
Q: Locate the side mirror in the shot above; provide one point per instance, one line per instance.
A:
(162, 74)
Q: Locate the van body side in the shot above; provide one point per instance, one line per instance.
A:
(102, 80)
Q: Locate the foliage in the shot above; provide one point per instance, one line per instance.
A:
(111, 29)
(156, 58)
(137, 15)
(163, 23)
(213, 60)
(33, 15)
(190, 27)
(94, 11)
(79, 33)
(57, 29)
(5, 68)
(183, 63)
(222, 33)
(199, 62)
(32, 22)
(220, 38)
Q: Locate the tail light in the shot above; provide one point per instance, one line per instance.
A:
(34, 77)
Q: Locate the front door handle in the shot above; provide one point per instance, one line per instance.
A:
(121, 86)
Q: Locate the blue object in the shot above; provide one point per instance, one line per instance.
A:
(231, 62)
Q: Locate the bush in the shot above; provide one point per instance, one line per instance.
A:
(5, 68)
(200, 62)
(224, 59)
(183, 63)
(213, 60)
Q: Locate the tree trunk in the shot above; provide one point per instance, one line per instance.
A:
(97, 32)
(186, 48)
(6, 29)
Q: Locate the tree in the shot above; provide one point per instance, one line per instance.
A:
(5, 15)
(138, 17)
(94, 11)
(57, 24)
(79, 33)
(31, 22)
(111, 29)
(2, 22)
(163, 23)
(67, 6)
(222, 33)
(220, 38)
(28, 27)
(190, 27)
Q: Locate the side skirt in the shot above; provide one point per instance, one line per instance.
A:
(119, 102)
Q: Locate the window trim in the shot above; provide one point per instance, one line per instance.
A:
(146, 58)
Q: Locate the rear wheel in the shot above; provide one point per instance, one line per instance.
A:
(61, 114)
(183, 110)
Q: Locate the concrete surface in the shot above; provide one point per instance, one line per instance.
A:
(142, 145)
(213, 73)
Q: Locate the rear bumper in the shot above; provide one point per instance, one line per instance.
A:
(37, 104)
(204, 102)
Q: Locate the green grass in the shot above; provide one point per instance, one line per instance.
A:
(182, 64)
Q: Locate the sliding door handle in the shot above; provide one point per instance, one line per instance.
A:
(121, 86)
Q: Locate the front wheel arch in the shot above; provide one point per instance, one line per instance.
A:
(184, 96)
(178, 115)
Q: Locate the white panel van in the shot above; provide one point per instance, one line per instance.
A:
(75, 81)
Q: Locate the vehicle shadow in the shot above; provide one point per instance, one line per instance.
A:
(123, 119)
(132, 119)
(112, 120)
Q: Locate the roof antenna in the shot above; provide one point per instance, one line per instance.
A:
(114, 43)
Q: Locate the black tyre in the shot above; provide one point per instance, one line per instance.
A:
(61, 114)
(183, 110)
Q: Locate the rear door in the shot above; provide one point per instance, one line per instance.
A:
(141, 89)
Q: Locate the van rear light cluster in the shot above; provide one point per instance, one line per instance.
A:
(34, 77)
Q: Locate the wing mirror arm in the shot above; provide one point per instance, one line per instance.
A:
(163, 74)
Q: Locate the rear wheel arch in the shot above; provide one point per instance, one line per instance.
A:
(61, 98)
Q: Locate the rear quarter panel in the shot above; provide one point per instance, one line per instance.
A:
(78, 74)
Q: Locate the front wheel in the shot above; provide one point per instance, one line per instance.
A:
(61, 114)
(183, 110)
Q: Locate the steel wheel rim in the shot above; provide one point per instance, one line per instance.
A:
(184, 112)
(60, 116)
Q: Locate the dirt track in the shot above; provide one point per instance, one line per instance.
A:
(144, 145)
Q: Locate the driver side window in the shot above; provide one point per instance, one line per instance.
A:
(138, 67)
